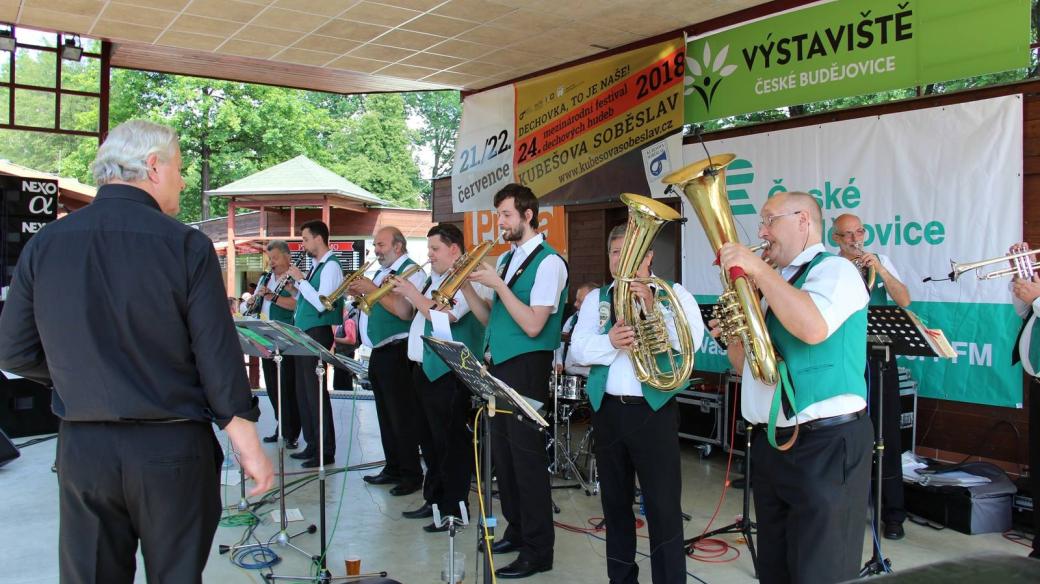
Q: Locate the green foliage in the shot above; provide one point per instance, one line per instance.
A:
(441, 112)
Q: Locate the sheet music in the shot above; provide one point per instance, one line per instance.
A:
(441, 325)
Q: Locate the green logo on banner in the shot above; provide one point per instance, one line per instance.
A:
(739, 177)
(846, 48)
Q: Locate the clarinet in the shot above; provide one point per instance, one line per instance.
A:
(257, 301)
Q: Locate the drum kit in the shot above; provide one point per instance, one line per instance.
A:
(571, 454)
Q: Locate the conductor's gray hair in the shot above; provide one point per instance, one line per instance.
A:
(125, 152)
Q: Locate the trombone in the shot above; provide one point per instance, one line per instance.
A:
(1024, 266)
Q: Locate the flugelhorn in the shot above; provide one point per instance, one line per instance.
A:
(739, 311)
(330, 300)
(368, 301)
(1024, 266)
(443, 296)
(645, 219)
(869, 273)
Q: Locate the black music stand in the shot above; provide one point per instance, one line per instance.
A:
(890, 331)
(267, 340)
(493, 392)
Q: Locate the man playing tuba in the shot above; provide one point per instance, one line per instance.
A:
(636, 425)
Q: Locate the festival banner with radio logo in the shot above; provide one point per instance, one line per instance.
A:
(848, 48)
(481, 226)
(616, 121)
(929, 186)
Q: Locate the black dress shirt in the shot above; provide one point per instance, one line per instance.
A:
(122, 309)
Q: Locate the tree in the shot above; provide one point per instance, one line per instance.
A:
(440, 112)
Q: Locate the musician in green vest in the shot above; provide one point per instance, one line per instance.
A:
(811, 491)
(385, 331)
(1026, 299)
(636, 427)
(849, 234)
(447, 447)
(523, 330)
(325, 275)
(280, 307)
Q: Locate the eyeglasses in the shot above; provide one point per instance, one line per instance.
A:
(768, 221)
(847, 234)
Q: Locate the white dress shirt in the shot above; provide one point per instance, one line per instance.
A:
(549, 280)
(591, 347)
(418, 278)
(461, 308)
(837, 290)
(330, 279)
(271, 281)
(1025, 310)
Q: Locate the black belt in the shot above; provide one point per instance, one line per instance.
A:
(817, 424)
(628, 400)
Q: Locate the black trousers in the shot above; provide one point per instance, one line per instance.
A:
(308, 395)
(120, 484)
(447, 445)
(892, 506)
(632, 440)
(290, 405)
(342, 379)
(397, 409)
(1034, 459)
(522, 462)
(810, 504)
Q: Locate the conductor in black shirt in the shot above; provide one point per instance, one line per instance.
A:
(143, 359)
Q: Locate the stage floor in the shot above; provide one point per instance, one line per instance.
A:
(370, 519)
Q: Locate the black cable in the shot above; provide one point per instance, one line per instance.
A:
(35, 441)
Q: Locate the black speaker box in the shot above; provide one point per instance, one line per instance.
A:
(25, 408)
(7, 450)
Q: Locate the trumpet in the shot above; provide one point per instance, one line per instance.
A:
(444, 296)
(1024, 266)
(369, 301)
(329, 301)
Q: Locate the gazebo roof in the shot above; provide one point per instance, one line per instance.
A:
(298, 176)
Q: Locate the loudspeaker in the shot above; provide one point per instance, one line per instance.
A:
(25, 408)
(7, 450)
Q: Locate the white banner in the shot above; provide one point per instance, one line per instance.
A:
(484, 150)
(930, 186)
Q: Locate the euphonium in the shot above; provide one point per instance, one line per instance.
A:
(444, 296)
(739, 311)
(645, 218)
(328, 301)
(369, 301)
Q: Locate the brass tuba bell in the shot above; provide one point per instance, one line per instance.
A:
(739, 311)
(654, 360)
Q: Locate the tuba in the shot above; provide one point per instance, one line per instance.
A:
(330, 300)
(739, 311)
(645, 218)
(444, 295)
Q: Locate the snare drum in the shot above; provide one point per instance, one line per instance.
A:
(570, 387)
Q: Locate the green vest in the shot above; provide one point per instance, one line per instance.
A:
(467, 331)
(1034, 344)
(504, 338)
(878, 294)
(308, 317)
(382, 324)
(277, 313)
(597, 383)
(833, 367)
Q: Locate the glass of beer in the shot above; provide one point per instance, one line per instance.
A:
(353, 560)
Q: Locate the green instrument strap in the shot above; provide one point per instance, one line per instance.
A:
(783, 385)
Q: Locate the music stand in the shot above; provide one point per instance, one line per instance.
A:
(267, 340)
(890, 331)
(311, 348)
(491, 391)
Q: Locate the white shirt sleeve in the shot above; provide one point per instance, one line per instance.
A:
(549, 282)
(1021, 308)
(837, 290)
(588, 346)
(693, 318)
(886, 263)
(331, 278)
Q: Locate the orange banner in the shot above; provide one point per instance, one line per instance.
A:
(480, 226)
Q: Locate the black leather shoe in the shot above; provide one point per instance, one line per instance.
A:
(421, 513)
(504, 546)
(381, 479)
(313, 462)
(272, 438)
(894, 531)
(291, 445)
(305, 454)
(405, 489)
(522, 568)
(432, 528)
